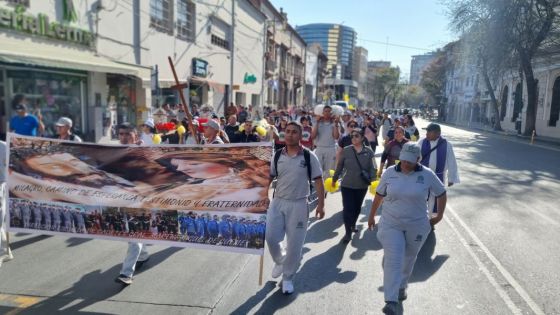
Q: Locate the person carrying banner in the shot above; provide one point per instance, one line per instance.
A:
(325, 133)
(438, 155)
(137, 254)
(5, 252)
(64, 130)
(288, 212)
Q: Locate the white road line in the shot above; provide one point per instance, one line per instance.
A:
(546, 218)
(511, 280)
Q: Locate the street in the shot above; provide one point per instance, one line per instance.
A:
(495, 252)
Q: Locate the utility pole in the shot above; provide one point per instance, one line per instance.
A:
(265, 60)
(232, 52)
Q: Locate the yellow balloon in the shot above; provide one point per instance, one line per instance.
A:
(241, 128)
(397, 161)
(181, 130)
(331, 173)
(156, 139)
(413, 138)
(373, 186)
(329, 187)
(261, 131)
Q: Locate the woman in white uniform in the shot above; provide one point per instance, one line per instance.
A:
(405, 224)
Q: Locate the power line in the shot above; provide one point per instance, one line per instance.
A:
(391, 44)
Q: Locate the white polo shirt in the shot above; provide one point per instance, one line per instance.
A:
(406, 194)
(292, 181)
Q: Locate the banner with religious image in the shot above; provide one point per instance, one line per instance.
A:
(213, 197)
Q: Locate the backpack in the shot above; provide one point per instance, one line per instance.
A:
(312, 199)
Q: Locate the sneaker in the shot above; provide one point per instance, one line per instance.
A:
(122, 279)
(277, 270)
(390, 308)
(140, 263)
(347, 238)
(287, 287)
(402, 294)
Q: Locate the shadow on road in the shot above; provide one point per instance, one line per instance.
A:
(75, 241)
(324, 229)
(317, 273)
(426, 266)
(28, 241)
(92, 288)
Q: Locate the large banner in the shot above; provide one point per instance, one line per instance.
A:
(214, 197)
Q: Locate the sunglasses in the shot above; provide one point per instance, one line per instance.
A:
(124, 133)
(356, 135)
(352, 126)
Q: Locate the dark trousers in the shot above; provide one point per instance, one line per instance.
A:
(352, 205)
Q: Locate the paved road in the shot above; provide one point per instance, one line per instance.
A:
(496, 252)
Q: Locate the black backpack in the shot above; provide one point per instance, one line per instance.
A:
(306, 157)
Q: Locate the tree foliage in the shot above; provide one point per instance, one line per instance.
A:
(385, 81)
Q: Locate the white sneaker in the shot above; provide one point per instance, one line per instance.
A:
(287, 287)
(277, 270)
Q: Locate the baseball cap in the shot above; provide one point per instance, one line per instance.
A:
(410, 152)
(347, 112)
(433, 127)
(212, 124)
(149, 122)
(64, 121)
(20, 107)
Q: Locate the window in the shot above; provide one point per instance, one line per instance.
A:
(555, 104)
(161, 18)
(186, 18)
(220, 42)
(24, 3)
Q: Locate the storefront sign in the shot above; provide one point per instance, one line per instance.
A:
(41, 26)
(199, 68)
(249, 78)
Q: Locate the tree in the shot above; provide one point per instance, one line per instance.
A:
(384, 82)
(507, 33)
(433, 78)
(483, 44)
(413, 96)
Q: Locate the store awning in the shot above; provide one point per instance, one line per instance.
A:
(30, 52)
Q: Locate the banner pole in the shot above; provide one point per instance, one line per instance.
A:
(179, 88)
(261, 263)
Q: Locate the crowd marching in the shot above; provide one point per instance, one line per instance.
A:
(323, 144)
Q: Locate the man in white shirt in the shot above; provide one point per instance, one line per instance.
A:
(438, 155)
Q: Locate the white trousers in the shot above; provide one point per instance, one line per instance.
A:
(5, 252)
(136, 252)
(400, 249)
(327, 158)
(287, 218)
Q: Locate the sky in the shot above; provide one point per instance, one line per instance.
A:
(422, 24)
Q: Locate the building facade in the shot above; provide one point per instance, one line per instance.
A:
(106, 63)
(316, 71)
(285, 56)
(338, 43)
(360, 72)
(418, 64)
(372, 69)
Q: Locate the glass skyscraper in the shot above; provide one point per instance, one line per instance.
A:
(337, 41)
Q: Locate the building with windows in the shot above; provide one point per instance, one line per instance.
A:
(359, 73)
(418, 64)
(284, 59)
(105, 63)
(338, 43)
(316, 70)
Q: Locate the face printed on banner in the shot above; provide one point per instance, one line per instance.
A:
(198, 169)
(60, 164)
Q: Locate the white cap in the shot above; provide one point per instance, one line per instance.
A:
(149, 122)
(64, 121)
(212, 124)
(410, 152)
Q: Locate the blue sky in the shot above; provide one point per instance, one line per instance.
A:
(414, 23)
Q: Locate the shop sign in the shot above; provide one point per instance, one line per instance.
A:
(40, 25)
(199, 67)
(249, 78)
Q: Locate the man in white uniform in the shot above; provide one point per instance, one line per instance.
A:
(438, 155)
(288, 213)
(325, 133)
(5, 252)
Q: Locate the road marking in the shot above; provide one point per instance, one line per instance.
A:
(18, 302)
(510, 279)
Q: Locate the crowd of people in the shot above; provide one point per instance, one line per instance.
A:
(227, 230)
(312, 144)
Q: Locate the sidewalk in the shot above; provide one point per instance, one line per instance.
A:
(539, 140)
